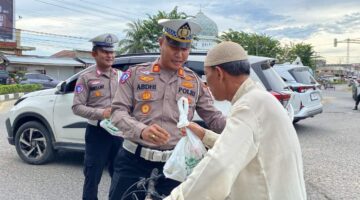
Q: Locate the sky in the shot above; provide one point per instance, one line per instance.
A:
(316, 22)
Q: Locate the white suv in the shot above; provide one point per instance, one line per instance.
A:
(307, 99)
(42, 122)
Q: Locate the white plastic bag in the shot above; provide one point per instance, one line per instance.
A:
(187, 153)
(109, 127)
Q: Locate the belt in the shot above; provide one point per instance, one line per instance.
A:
(146, 153)
(93, 122)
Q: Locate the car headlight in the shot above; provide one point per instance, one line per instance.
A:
(19, 100)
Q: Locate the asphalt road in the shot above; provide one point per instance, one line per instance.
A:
(330, 143)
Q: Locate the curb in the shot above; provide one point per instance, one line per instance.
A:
(6, 97)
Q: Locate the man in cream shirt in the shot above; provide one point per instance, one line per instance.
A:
(258, 155)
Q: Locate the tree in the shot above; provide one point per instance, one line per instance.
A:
(254, 44)
(135, 42)
(142, 36)
(305, 51)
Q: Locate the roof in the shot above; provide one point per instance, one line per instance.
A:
(34, 60)
(85, 60)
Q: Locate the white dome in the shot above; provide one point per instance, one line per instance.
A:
(208, 26)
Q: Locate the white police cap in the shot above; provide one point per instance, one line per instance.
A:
(106, 41)
(179, 32)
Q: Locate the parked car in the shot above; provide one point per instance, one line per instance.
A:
(4, 77)
(42, 122)
(43, 79)
(307, 99)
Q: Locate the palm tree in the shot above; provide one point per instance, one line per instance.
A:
(136, 40)
(142, 36)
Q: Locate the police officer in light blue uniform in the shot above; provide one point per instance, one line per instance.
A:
(94, 92)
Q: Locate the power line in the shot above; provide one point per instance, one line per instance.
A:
(96, 13)
(97, 10)
(50, 34)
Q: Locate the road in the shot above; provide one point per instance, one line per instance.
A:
(330, 144)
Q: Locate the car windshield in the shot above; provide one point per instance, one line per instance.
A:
(302, 75)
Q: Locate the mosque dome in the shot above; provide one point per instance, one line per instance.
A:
(208, 26)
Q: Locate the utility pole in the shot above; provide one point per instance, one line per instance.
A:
(347, 41)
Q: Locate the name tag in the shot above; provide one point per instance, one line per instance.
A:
(96, 87)
(146, 87)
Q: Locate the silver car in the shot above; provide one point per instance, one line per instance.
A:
(307, 99)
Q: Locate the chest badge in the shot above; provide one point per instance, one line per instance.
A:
(146, 78)
(145, 108)
(187, 85)
(146, 95)
(97, 93)
(189, 78)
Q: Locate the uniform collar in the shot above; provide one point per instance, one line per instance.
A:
(106, 73)
(155, 68)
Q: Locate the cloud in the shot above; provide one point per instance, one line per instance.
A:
(249, 11)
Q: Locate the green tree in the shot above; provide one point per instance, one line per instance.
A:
(254, 44)
(304, 51)
(142, 36)
(135, 42)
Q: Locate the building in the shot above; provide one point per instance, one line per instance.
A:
(82, 56)
(57, 68)
(206, 39)
(341, 71)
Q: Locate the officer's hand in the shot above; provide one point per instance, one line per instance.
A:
(155, 134)
(107, 113)
(197, 129)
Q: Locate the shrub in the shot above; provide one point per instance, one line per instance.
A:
(15, 88)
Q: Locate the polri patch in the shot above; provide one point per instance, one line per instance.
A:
(125, 76)
(79, 88)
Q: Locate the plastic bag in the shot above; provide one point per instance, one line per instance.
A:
(109, 127)
(187, 153)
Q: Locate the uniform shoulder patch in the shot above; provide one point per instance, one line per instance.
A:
(125, 76)
(79, 88)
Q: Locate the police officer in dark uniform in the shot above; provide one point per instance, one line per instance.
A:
(145, 109)
(94, 92)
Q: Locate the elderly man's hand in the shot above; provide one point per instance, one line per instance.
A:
(196, 129)
(155, 134)
(107, 113)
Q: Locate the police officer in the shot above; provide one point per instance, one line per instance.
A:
(145, 109)
(94, 91)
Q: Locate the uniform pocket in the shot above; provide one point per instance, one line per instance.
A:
(192, 105)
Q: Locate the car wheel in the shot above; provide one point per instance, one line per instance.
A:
(33, 143)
